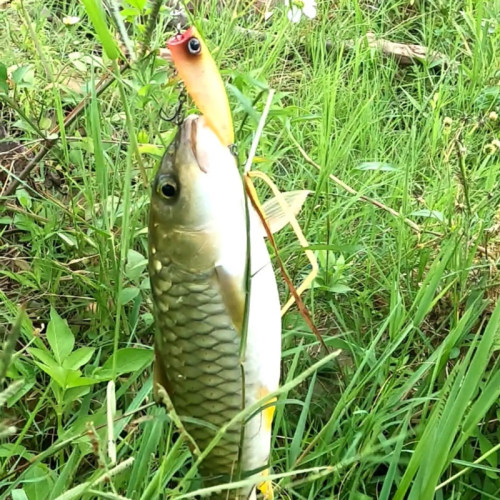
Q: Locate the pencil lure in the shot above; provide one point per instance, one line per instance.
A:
(199, 72)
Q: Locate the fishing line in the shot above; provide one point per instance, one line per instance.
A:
(248, 268)
(246, 312)
(247, 114)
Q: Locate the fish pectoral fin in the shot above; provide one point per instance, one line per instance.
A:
(276, 216)
(232, 295)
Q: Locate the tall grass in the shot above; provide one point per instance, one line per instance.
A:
(409, 409)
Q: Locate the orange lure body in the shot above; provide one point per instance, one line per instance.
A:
(200, 74)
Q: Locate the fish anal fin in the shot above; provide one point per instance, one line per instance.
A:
(276, 217)
(232, 295)
(266, 487)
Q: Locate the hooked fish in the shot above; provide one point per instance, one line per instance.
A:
(197, 265)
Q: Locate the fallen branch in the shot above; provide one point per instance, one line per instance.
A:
(404, 53)
(252, 194)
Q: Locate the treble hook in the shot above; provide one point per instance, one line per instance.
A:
(177, 117)
(233, 149)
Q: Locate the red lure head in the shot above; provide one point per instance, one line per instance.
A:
(186, 40)
(180, 38)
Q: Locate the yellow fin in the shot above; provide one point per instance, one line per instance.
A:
(232, 295)
(266, 487)
(276, 217)
(267, 413)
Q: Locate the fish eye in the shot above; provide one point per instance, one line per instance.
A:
(167, 187)
(194, 46)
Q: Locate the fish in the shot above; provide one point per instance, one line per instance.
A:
(199, 234)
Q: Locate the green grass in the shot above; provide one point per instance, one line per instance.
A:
(410, 407)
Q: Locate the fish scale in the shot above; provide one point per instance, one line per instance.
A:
(200, 350)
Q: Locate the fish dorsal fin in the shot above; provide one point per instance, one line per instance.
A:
(276, 217)
(232, 295)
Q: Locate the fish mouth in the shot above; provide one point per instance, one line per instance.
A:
(189, 136)
(193, 136)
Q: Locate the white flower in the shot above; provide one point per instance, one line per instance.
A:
(70, 20)
(297, 8)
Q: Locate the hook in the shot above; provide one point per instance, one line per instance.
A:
(177, 117)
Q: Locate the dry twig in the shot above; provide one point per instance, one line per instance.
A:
(404, 53)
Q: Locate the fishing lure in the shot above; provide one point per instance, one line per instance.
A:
(199, 72)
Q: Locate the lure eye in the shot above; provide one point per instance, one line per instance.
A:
(194, 46)
(167, 187)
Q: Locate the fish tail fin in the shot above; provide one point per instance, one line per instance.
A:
(253, 494)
